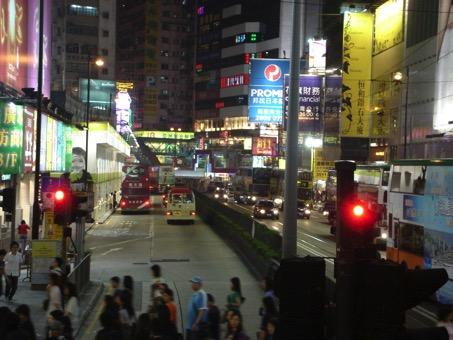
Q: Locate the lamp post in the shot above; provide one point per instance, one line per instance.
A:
(398, 77)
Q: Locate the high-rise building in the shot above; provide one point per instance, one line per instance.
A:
(229, 34)
(155, 52)
(83, 30)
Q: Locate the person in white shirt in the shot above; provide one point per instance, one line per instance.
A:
(54, 294)
(71, 307)
(13, 261)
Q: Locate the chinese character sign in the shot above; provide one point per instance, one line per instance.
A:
(332, 108)
(264, 146)
(266, 90)
(357, 48)
(310, 88)
(29, 139)
(11, 140)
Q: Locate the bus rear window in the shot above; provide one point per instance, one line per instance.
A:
(134, 192)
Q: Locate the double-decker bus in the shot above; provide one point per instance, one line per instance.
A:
(420, 217)
(135, 189)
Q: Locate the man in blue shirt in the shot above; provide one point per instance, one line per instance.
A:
(198, 308)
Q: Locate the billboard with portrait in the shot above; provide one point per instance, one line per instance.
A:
(19, 43)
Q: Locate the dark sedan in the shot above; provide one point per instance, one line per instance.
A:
(265, 208)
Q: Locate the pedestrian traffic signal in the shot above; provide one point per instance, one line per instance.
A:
(62, 206)
(8, 200)
(384, 291)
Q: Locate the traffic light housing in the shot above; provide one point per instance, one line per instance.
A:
(62, 206)
(8, 203)
(384, 290)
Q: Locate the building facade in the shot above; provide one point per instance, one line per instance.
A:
(158, 60)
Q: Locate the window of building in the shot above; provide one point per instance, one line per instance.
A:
(166, 14)
(105, 15)
(105, 52)
(72, 48)
(166, 26)
(164, 92)
(105, 33)
(164, 66)
(163, 105)
(165, 40)
(82, 10)
(105, 71)
(163, 79)
(164, 53)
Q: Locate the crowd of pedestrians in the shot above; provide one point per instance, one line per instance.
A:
(61, 305)
(204, 319)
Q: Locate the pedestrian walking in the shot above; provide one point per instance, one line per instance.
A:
(214, 318)
(269, 311)
(13, 330)
(58, 315)
(168, 297)
(271, 329)
(234, 329)
(57, 267)
(115, 284)
(128, 284)
(109, 330)
(2, 269)
(235, 298)
(54, 296)
(126, 313)
(23, 311)
(22, 230)
(198, 311)
(71, 306)
(162, 326)
(144, 327)
(13, 261)
(157, 281)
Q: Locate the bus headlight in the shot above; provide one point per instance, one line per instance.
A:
(325, 213)
(275, 211)
(216, 195)
(253, 198)
(262, 211)
(278, 201)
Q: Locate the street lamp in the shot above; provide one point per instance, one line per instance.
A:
(398, 77)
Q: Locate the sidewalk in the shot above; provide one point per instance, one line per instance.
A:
(34, 300)
(102, 220)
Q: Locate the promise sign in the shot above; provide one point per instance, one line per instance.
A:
(357, 49)
(11, 139)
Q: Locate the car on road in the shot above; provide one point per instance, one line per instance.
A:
(303, 210)
(221, 195)
(266, 208)
(240, 197)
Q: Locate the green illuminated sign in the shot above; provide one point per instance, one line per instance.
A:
(11, 141)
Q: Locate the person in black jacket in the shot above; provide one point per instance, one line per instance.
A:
(25, 321)
(109, 330)
(214, 318)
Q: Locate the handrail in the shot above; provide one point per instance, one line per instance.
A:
(80, 274)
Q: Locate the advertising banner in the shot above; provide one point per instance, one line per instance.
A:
(317, 54)
(102, 92)
(264, 146)
(123, 102)
(56, 138)
(332, 108)
(357, 48)
(310, 102)
(19, 43)
(29, 139)
(11, 139)
(389, 22)
(266, 90)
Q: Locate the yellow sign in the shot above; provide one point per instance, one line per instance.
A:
(388, 30)
(120, 86)
(321, 166)
(357, 46)
(52, 231)
(42, 248)
(164, 134)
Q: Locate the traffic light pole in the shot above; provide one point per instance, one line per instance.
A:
(289, 246)
(344, 263)
(80, 231)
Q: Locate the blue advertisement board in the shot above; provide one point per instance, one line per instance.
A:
(266, 91)
(310, 88)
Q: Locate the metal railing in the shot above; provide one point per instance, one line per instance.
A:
(80, 274)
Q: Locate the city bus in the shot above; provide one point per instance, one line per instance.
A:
(180, 205)
(420, 217)
(135, 189)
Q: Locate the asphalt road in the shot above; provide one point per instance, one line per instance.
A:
(129, 244)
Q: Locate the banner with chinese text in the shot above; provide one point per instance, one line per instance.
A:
(357, 49)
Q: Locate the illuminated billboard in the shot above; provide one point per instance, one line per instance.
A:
(123, 102)
(357, 49)
(264, 146)
(102, 92)
(388, 25)
(11, 140)
(317, 54)
(19, 42)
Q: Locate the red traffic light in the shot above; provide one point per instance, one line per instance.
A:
(358, 210)
(59, 195)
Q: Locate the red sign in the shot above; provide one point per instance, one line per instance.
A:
(264, 146)
(29, 139)
(232, 81)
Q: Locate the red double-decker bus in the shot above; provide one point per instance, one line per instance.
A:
(135, 189)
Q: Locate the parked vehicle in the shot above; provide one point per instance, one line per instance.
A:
(265, 208)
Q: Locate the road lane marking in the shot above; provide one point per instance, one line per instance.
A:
(118, 243)
(313, 237)
(313, 251)
(111, 251)
(275, 228)
(279, 223)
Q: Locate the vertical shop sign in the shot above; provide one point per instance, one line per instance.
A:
(357, 49)
(29, 139)
(11, 139)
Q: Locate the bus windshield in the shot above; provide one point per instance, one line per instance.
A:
(181, 198)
